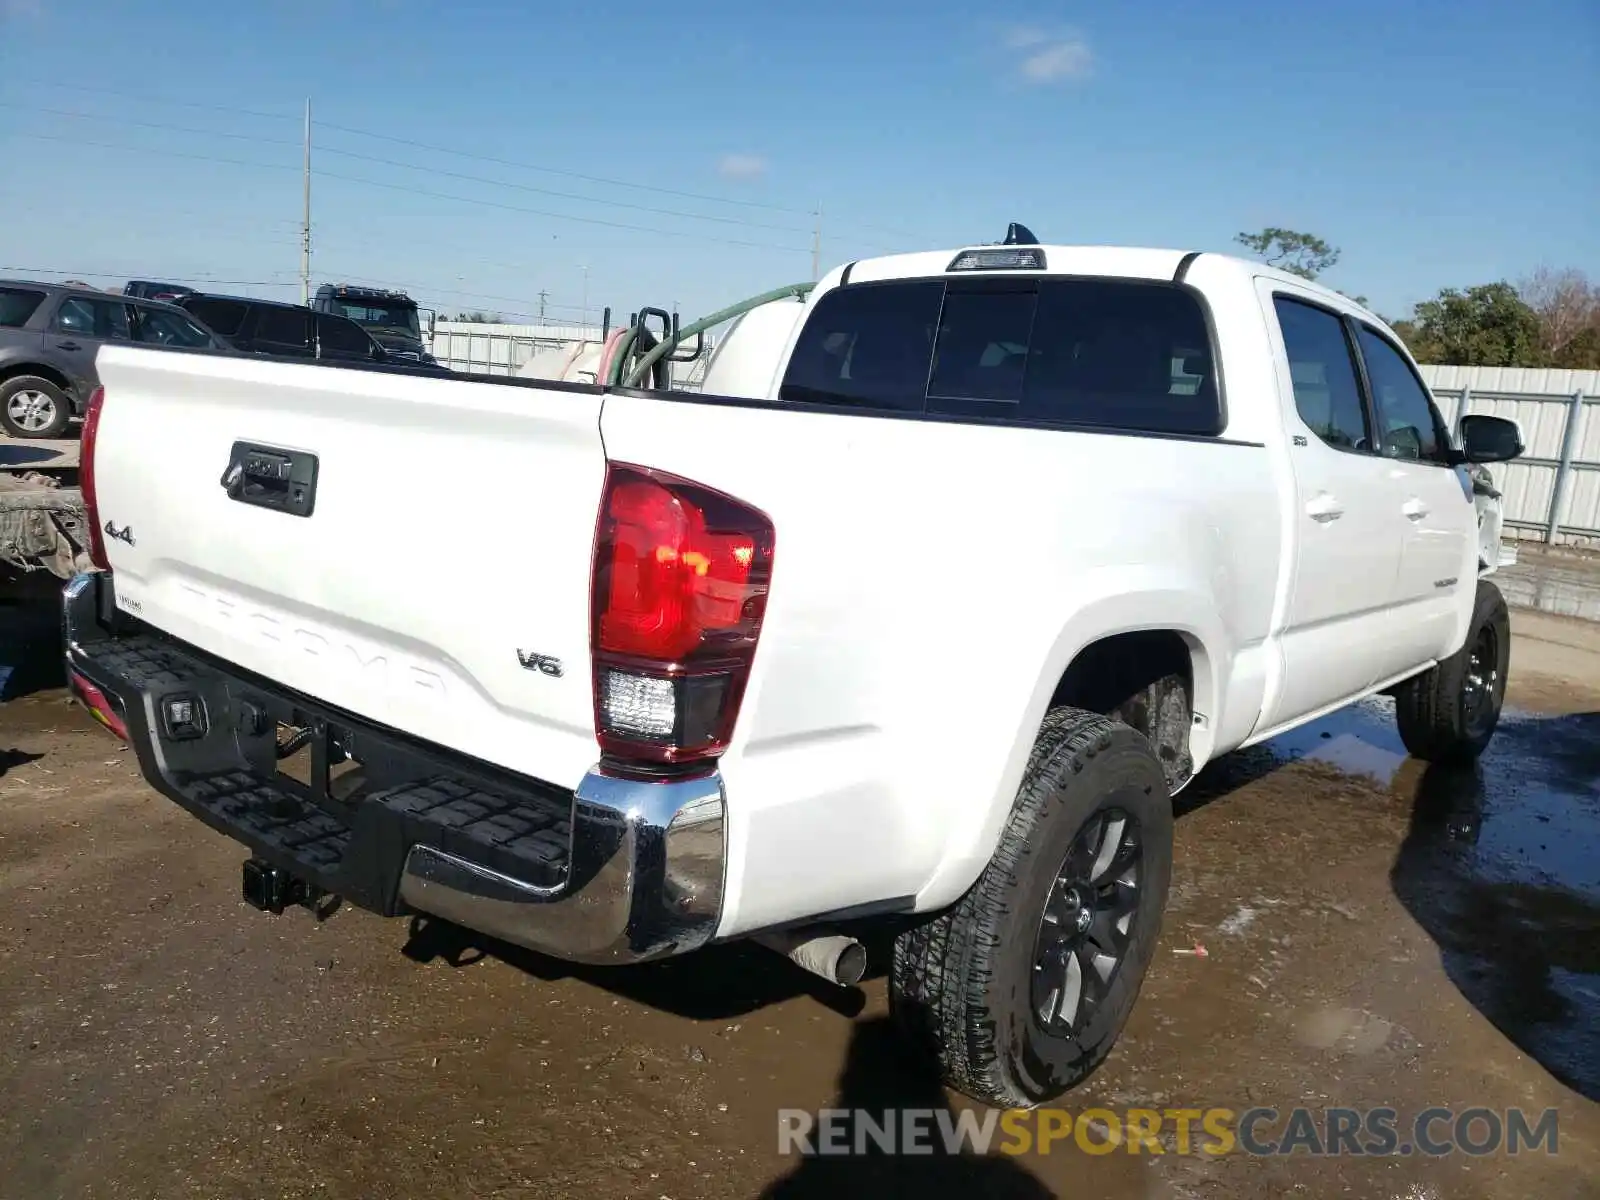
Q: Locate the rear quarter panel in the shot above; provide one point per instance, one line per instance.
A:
(931, 582)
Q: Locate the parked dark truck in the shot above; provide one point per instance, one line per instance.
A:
(390, 317)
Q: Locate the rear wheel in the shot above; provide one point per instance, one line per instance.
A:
(31, 407)
(1449, 712)
(1021, 989)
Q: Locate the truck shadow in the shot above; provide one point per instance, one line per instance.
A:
(16, 758)
(881, 1078)
(1499, 865)
(30, 635)
(716, 983)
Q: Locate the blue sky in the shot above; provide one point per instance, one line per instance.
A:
(1438, 144)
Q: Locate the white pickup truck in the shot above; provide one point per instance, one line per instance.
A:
(923, 631)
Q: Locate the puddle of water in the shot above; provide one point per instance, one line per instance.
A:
(1500, 865)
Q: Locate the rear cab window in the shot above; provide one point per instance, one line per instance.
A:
(17, 305)
(1120, 354)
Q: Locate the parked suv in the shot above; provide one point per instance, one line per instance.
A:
(49, 335)
(279, 330)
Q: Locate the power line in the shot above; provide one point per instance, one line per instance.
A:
(560, 216)
(390, 162)
(211, 158)
(524, 187)
(164, 278)
(224, 133)
(600, 179)
(62, 85)
(73, 86)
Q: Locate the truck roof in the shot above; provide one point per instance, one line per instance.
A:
(1122, 262)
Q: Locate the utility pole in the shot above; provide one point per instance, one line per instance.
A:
(543, 295)
(816, 244)
(305, 228)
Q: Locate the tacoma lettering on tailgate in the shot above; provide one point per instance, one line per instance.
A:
(379, 668)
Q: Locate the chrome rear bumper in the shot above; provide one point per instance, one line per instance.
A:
(645, 880)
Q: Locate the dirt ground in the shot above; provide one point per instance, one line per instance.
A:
(1375, 934)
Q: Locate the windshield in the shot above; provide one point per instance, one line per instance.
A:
(380, 314)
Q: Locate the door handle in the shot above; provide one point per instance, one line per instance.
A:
(68, 346)
(1414, 510)
(1324, 508)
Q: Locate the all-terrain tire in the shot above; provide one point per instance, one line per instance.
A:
(36, 396)
(961, 983)
(1448, 713)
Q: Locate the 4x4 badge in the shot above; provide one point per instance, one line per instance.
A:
(125, 534)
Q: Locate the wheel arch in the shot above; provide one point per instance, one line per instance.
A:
(1167, 625)
(13, 370)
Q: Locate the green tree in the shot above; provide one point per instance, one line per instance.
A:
(1302, 254)
(1484, 326)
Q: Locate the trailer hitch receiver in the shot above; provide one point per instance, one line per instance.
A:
(272, 889)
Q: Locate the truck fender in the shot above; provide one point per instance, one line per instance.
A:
(1131, 600)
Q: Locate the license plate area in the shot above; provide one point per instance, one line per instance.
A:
(317, 758)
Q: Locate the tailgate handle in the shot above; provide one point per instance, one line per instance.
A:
(270, 477)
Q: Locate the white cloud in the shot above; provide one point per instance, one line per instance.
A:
(1046, 57)
(742, 166)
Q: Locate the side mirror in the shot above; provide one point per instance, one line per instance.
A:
(1486, 439)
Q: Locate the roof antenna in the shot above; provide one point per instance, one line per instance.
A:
(1019, 235)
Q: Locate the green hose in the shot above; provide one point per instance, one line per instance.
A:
(669, 344)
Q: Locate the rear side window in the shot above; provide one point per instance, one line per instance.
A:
(224, 316)
(1119, 354)
(341, 337)
(289, 328)
(17, 305)
(1326, 393)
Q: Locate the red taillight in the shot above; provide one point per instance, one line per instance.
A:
(680, 588)
(91, 501)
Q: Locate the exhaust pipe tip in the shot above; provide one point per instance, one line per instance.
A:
(851, 964)
(835, 957)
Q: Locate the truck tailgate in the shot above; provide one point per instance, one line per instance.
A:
(439, 584)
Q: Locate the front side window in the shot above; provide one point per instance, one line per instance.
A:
(1409, 425)
(1119, 354)
(92, 318)
(17, 305)
(159, 327)
(1326, 391)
